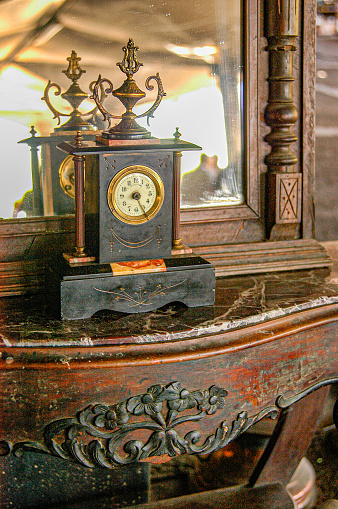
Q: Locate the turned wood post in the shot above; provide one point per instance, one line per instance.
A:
(79, 250)
(283, 183)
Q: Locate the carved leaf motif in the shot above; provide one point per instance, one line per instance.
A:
(164, 442)
(98, 436)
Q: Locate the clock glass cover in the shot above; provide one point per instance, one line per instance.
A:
(135, 194)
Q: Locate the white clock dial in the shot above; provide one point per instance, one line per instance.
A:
(135, 194)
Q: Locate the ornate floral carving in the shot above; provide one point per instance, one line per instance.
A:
(141, 427)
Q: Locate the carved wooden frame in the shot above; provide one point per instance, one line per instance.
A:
(262, 234)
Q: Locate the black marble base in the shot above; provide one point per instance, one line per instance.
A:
(84, 290)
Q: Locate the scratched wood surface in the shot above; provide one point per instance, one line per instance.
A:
(266, 341)
(111, 391)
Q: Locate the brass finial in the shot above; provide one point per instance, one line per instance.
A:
(129, 94)
(74, 71)
(130, 64)
(33, 132)
(74, 96)
(78, 139)
(177, 134)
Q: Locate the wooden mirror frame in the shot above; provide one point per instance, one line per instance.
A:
(258, 236)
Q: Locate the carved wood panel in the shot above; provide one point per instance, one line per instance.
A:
(283, 199)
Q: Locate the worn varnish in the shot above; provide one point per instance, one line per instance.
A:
(172, 378)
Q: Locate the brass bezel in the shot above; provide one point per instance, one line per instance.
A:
(66, 169)
(118, 213)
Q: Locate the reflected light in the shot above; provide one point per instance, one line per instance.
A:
(199, 115)
(185, 51)
(20, 90)
(20, 100)
(322, 74)
(179, 50)
(25, 13)
(35, 8)
(22, 213)
(48, 34)
(16, 175)
(5, 49)
(205, 51)
(21, 107)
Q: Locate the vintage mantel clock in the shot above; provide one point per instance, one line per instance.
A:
(128, 255)
(53, 183)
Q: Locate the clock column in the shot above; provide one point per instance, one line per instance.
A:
(177, 241)
(178, 246)
(79, 162)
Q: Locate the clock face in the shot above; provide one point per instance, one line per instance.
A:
(135, 194)
(67, 178)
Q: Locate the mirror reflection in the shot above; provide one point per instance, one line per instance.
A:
(195, 46)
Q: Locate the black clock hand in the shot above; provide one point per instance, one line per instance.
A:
(136, 196)
(144, 212)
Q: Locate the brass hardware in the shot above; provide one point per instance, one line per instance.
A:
(130, 185)
(177, 134)
(136, 245)
(78, 139)
(74, 96)
(74, 71)
(129, 94)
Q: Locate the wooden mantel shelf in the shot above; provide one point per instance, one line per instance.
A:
(173, 381)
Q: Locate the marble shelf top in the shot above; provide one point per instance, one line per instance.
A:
(240, 302)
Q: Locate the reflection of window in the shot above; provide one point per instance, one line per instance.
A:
(195, 46)
(203, 84)
(200, 117)
(15, 174)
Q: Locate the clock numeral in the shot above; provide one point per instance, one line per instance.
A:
(124, 203)
(124, 189)
(150, 193)
(121, 196)
(136, 209)
(148, 201)
(129, 183)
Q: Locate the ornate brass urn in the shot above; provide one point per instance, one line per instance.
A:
(129, 94)
(74, 96)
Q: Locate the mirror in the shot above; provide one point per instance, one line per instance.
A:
(195, 46)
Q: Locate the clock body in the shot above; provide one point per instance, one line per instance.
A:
(128, 256)
(57, 175)
(129, 205)
(126, 219)
(53, 175)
